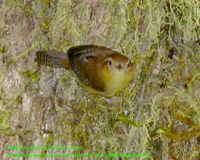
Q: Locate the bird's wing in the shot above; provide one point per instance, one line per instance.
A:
(86, 62)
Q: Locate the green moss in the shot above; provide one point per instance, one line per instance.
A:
(5, 117)
(162, 39)
(11, 3)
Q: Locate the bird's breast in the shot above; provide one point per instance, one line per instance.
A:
(116, 81)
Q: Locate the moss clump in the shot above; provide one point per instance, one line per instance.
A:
(159, 113)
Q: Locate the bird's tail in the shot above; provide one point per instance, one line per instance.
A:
(53, 59)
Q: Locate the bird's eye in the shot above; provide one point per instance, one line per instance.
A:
(128, 66)
(109, 63)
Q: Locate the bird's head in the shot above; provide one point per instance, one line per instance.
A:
(118, 72)
(118, 64)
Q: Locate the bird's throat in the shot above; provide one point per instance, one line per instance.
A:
(116, 81)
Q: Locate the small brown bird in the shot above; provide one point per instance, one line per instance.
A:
(99, 69)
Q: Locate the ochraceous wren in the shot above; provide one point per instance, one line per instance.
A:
(99, 69)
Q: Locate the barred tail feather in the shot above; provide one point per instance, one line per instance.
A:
(53, 59)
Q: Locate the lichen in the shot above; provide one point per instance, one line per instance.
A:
(158, 113)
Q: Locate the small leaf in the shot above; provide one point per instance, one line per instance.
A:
(127, 121)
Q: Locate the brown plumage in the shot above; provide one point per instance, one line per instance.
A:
(98, 68)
